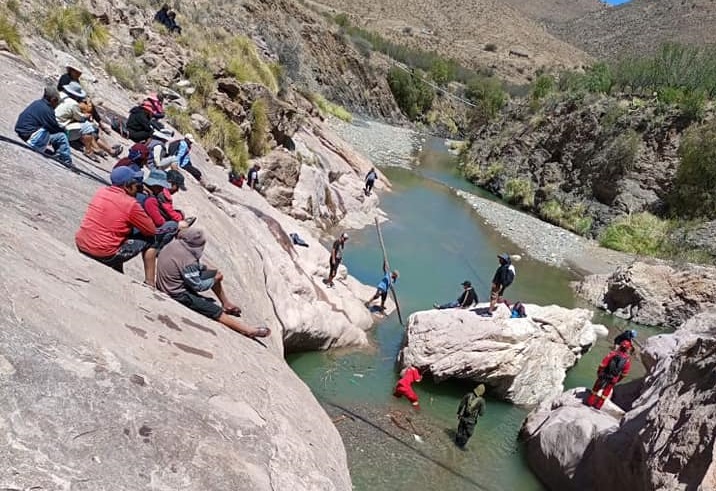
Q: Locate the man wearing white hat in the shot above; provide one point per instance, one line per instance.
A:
(181, 149)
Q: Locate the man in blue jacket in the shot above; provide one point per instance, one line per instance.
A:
(38, 127)
(382, 289)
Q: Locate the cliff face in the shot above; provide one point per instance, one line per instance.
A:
(606, 156)
(109, 384)
(664, 441)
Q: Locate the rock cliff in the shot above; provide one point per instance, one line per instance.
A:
(587, 159)
(522, 360)
(665, 441)
(655, 293)
(109, 384)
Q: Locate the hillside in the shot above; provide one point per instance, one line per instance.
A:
(549, 11)
(639, 27)
(478, 33)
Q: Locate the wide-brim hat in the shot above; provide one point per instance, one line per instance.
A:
(157, 178)
(74, 68)
(75, 90)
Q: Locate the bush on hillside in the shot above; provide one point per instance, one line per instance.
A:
(226, 135)
(258, 139)
(10, 34)
(543, 86)
(520, 192)
(181, 120)
(75, 25)
(692, 194)
(246, 65)
(621, 153)
(443, 71)
(642, 233)
(413, 96)
(201, 77)
(488, 96)
(327, 107)
(491, 47)
(127, 73)
(138, 47)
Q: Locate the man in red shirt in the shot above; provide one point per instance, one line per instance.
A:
(405, 386)
(613, 368)
(115, 228)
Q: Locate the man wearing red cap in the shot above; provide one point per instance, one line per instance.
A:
(613, 368)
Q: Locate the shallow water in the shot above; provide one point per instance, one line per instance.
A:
(436, 241)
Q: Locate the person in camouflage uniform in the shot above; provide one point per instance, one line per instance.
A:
(471, 407)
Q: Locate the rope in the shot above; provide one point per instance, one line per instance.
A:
(438, 88)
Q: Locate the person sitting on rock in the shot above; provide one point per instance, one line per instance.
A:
(73, 74)
(236, 178)
(336, 258)
(628, 335)
(159, 156)
(253, 177)
(38, 127)
(115, 228)
(70, 116)
(166, 199)
(136, 157)
(172, 24)
(181, 275)
(385, 284)
(162, 16)
(89, 110)
(613, 368)
(404, 387)
(370, 179)
(141, 122)
(154, 202)
(180, 150)
(467, 298)
(504, 276)
(471, 407)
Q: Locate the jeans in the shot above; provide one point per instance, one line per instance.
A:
(450, 305)
(59, 141)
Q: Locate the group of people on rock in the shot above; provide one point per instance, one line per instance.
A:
(167, 18)
(135, 214)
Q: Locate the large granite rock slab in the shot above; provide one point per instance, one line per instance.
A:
(664, 442)
(655, 293)
(522, 360)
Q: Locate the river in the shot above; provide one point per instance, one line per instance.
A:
(436, 240)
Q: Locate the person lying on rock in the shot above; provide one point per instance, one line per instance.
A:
(370, 179)
(336, 258)
(37, 126)
(467, 298)
(385, 284)
(471, 407)
(115, 228)
(136, 158)
(613, 368)
(181, 275)
(404, 387)
(504, 276)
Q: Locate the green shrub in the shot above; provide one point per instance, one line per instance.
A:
(342, 20)
(327, 107)
(10, 34)
(127, 72)
(692, 193)
(489, 97)
(138, 47)
(551, 211)
(543, 86)
(442, 71)
(413, 96)
(258, 139)
(493, 171)
(75, 25)
(246, 65)
(642, 233)
(622, 152)
(572, 218)
(181, 120)
(201, 77)
(693, 105)
(520, 192)
(14, 7)
(226, 135)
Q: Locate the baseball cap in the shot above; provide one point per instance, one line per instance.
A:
(189, 137)
(504, 256)
(344, 236)
(121, 176)
(138, 152)
(466, 283)
(176, 177)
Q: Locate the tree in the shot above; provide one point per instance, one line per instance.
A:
(413, 96)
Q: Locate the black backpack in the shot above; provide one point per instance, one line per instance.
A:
(615, 366)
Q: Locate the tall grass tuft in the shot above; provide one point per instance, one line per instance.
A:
(258, 139)
(75, 25)
(246, 65)
(327, 107)
(641, 233)
(10, 34)
(226, 135)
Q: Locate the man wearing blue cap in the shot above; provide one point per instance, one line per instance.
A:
(106, 233)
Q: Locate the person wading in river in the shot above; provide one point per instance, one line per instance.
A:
(336, 258)
(471, 407)
(613, 368)
(404, 387)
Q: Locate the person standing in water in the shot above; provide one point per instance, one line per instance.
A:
(471, 407)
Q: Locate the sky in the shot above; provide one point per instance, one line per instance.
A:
(615, 2)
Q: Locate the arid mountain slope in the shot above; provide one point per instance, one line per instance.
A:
(640, 26)
(556, 10)
(462, 30)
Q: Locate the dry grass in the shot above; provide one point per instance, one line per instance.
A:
(10, 34)
(74, 26)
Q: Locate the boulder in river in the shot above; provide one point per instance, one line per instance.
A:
(522, 360)
(656, 293)
(664, 442)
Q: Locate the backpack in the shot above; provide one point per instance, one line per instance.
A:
(173, 147)
(615, 366)
(518, 310)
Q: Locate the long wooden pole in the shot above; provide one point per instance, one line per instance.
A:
(387, 266)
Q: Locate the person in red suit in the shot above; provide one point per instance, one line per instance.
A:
(404, 388)
(613, 368)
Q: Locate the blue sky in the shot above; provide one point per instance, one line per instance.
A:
(615, 2)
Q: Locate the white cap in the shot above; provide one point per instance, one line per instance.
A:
(344, 235)
(190, 137)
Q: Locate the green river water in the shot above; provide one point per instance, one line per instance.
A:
(436, 241)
